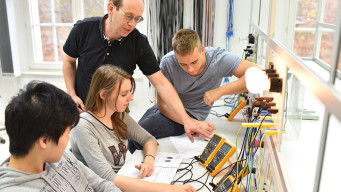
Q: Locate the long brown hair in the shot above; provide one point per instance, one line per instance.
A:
(105, 78)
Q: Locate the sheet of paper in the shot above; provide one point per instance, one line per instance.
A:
(160, 174)
(183, 144)
(162, 159)
(165, 167)
(190, 154)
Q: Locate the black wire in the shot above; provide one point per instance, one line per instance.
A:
(188, 170)
(178, 181)
(189, 164)
(213, 112)
(192, 180)
(260, 127)
(204, 184)
(232, 99)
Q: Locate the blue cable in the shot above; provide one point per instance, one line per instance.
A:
(230, 26)
(229, 31)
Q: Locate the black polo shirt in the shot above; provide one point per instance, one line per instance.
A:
(87, 43)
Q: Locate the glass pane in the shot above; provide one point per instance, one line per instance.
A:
(339, 63)
(44, 11)
(47, 43)
(330, 171)
(261, 50)
(337, 84)
(306, 13)
(330, 12)
(62, 34)
(302, 128)
(304, 43)
(93, 8)
(326, 47)
(63, 11)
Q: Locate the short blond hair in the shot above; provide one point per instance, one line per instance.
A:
(185, 40)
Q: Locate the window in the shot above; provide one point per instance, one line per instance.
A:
(51, 22)
(314, 30)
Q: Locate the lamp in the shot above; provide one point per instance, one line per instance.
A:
(257, 81)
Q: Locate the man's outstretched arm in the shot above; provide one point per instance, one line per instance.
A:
(235, 87)
(173, 102)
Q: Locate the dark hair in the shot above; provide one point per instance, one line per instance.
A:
(106, 78)
(118, 3)
(40, 109)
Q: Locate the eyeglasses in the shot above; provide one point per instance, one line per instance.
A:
(129, 18)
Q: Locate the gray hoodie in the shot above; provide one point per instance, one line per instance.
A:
(67, 175)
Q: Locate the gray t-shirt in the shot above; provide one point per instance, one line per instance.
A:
(66, 175)
(97, 146)
(191, 90)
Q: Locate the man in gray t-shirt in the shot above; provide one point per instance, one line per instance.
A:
(196, 73)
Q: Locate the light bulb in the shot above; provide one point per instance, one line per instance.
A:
(256, 80)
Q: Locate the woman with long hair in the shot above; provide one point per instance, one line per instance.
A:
(100, 139)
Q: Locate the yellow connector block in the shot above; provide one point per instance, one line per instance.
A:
(270, 132)
(258, 124)
(266, 117)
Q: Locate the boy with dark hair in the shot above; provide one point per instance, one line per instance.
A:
(38, 121)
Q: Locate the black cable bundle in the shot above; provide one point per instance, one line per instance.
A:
(165, 19)
(198, 8)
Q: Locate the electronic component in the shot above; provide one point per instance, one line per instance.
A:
(264, 98)
(228, 185)
(211, 149)
(223, 154)
(233, 173)
(273, 111)
(233, 170)
(241, 105)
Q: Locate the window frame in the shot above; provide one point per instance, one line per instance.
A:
(318, 30)
(34, 39)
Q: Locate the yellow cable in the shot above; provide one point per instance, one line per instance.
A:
(259, 167)
(237, 155)
(236, 144)
(265, 117)
(270, 132)
(258, 124)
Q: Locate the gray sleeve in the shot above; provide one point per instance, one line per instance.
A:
(96, 182)
(165, 70)
(228, 62)
(136, 132)
(86, 143)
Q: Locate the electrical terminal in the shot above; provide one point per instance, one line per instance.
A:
(264, 98)
(270, 104)
(272, 75)
(273, 111)
(258, 103)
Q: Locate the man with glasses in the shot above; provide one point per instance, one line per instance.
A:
(113, 39)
